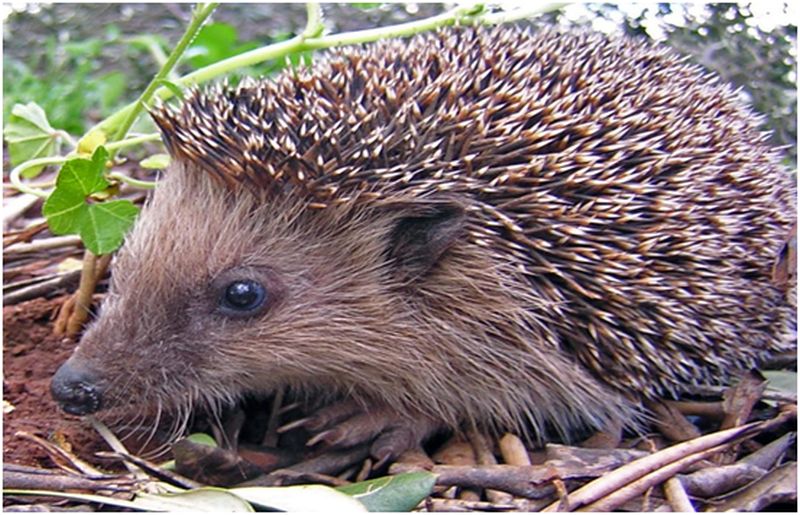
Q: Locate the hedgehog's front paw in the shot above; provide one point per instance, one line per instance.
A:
(346, 423)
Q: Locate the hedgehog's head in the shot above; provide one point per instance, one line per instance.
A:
(219, 291)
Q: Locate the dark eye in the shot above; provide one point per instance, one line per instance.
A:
(243, 297)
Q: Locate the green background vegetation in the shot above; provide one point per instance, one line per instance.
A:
(81, 61)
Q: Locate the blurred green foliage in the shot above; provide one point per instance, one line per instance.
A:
(215, 42)
(80, 81)
(67, 80)
(742, 54)
(218, 41)
(74, 85)
(727, 40)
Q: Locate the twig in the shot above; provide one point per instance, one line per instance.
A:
(457, 451)
(531, 482)
(460, 505)
(64, 280)
(116, 445)
(16, 206)
(34, 228)
(711, 410)
(83, 297)
(677, 496)
(43, 244)
(682, 455)
(57, 454)
(484, 456)
(153, 469)
(51, 481)
(633, 489)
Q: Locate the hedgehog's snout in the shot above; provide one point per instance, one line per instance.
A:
(76, 388)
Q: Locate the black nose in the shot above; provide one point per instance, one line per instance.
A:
(75, 389)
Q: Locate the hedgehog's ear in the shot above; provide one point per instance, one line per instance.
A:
(422, 235)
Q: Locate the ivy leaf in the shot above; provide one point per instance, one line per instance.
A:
(30, 136)
(103, 225)
(402, 492)
(77, 179)
(70, 210)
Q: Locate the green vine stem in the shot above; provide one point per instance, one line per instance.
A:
(470, 15)
(199, 16)
(127, 179)
(68, 138)
(314, 26)
(310, 39)
(138, 140)
(15, 176)
(126, 117)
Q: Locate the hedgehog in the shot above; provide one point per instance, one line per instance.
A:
(484, 227)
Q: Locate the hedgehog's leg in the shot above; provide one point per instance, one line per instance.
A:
(346, 423)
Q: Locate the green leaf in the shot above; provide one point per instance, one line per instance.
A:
(215, 42)
(155, 162)
(307, 498)
(402, 492)
(202, 439)
(206, 499)
(101, 225)
(29, 136)
(782, 380)
(175, 88)
(78, 178)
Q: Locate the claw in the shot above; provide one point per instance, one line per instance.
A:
(333, 415)
(323, 436)
(348, 424)
(392, 443)
(293, 425)
(289, 407)
(382, 456)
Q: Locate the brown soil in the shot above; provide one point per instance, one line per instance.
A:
(31, 355)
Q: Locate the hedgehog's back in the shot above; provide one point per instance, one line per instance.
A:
(636, 192)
